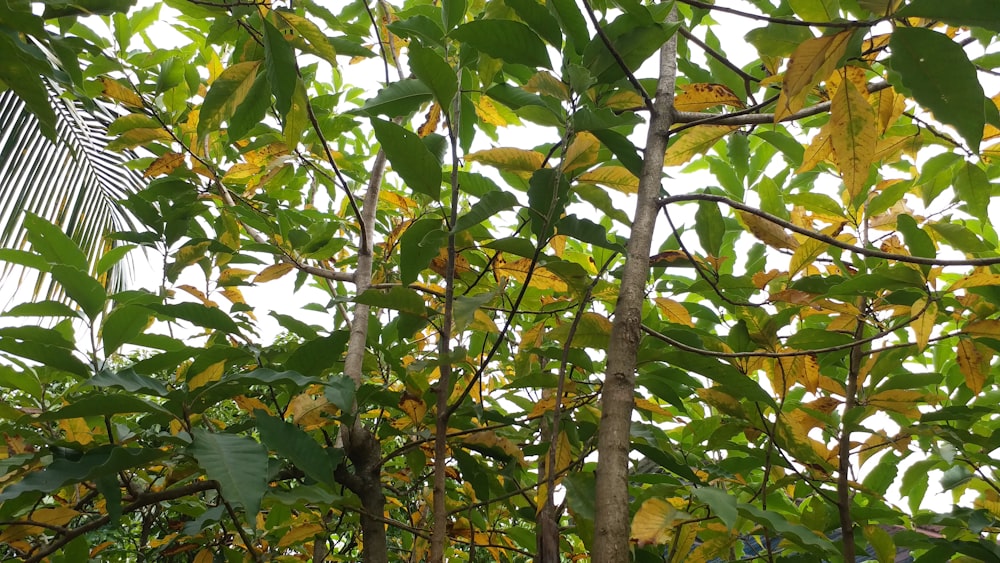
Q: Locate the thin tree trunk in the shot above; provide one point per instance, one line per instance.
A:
(360, 445)
(611, 536)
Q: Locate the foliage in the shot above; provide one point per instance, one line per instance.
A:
(808, 346)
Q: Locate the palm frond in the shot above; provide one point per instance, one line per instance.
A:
(74, 182)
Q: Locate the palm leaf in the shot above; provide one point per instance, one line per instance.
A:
(73, 182)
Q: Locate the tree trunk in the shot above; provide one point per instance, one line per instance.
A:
(611, 536)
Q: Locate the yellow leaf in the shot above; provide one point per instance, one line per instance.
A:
(234, 295)
(926, 321)
(51, 516)
(581, 153)
(189, 254)
(540, 278)
(483, 323)
(206, 556)
(264, 155)
(673, 311)
(240, 172)
(298, 533)
(490, 439)
(888, 149)
(311, 411)
(164, 165)
(853, 137)
(625, 100)
(898, 400)
(654, 522)
(518, 161)
(694, 141)
(546, 84)
(116, 91)
(250, 404)
(809, 250)
(431, 121)
(198, 294)
(273, 272)
(653, 408)
(140, 136)
(700, 96)
(211, 373)
(811, 62)
(612, 176)
(77, 430)
(974, 363)
(889, 105)
(979, 278)
(819, 148)
(414, 407)
(986, 327)
(769, 233)
(721, 401)
(487, 112)
(398, 202)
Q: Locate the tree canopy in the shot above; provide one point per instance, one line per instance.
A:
(555, 280)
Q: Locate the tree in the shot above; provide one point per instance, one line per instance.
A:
(818, 309)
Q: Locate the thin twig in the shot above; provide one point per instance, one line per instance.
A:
(783, 21)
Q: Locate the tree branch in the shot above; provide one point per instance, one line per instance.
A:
(783, 21)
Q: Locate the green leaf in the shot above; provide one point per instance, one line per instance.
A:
(130, 381)
(977, 13)
(296, 446)
(238, 463)
(123, 324)
(917, 240)
(103, 460)
(318, 354)
(41, 309)
(513, 245)
(229, 90)
(731, 380)
(793, 532)
(53, 244)
(420, 27)
(721, 503)
(452, 13)
(420, 243)
(297, 119)
(398, 99)
(340, 391)
(507, 40)
(622, 148)
(397, 298)
(710, 227)
(634, 41)
(571, 20)
(539, 19)
(87, 292)
(942, 79)
(112, 257)
(548, 191)
(778, 40)
(103, 404)
(409, 157)
(587, 231)
(973, 189)
(251, 112)
(18, 75)
(437, 74)
(281, 68)
(198, 314)
(61, 9)
(24, 258)
(960, 237)
(20, 342)
(487, 206)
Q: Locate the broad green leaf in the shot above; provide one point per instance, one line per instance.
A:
(312, 358)
(489, 205)
(409, 157)
(296, 446)
(778, 40)
(398, 99)
(53, 244)
(539, 19)
(585, 230)
(251, 112)
(198, 314)
(419, 26)
(103, 460)
(112, 257)
(41, 309)
(452, 13)
(87, 292)
(973, 190)
(103, 404)
(297, 119)
(938, 73)
(238, 463)
(437, 74)
(710, 227)
(816, 10)
(281, 68)
(85, 8)
(340, 391)
(229, 90)
(721, 503)
(633, 40)
(793, 532)
(978, 13)
(420, 243)
(592, 331)
(917, 240)
(547, 195)
(960, 237)
(24, 258)
(122, 324)
(811, 62)
(621, 147)
(732, 381)
(507, 40)
(18, 75)
(571, 19)
(37, 345)
(130, 381)
(397, 298)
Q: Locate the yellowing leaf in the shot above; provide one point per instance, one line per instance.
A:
(240, 172)
(889, 105)
(819, 148)
(612, 176)
(721, 401)
(487, 112)
(769, 233)
(273, 272)
(414, 407)
(926, 320)
(211, 373)
(625, 100)
(694, 141)
(673, 311)
(653, 408)
(696, 97)
(311, 411)
(985, 327)
(853, 137)
(298, 533)
(490, 439)
(250, 404)
(979, 278)
(116, 91)
(400, 203)
(811, 249)
(974, 363)
(432, 120)
(77, 430)
(198, 294)
(540, 278)
(546, 84)
(164, 165)
(51, 516)
(581, 153)
(204, 556)
(519, 161)
(811, 62)
(654, 522)
(234, 295)
(902, 401)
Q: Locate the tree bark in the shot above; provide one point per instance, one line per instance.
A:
(611, 536)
